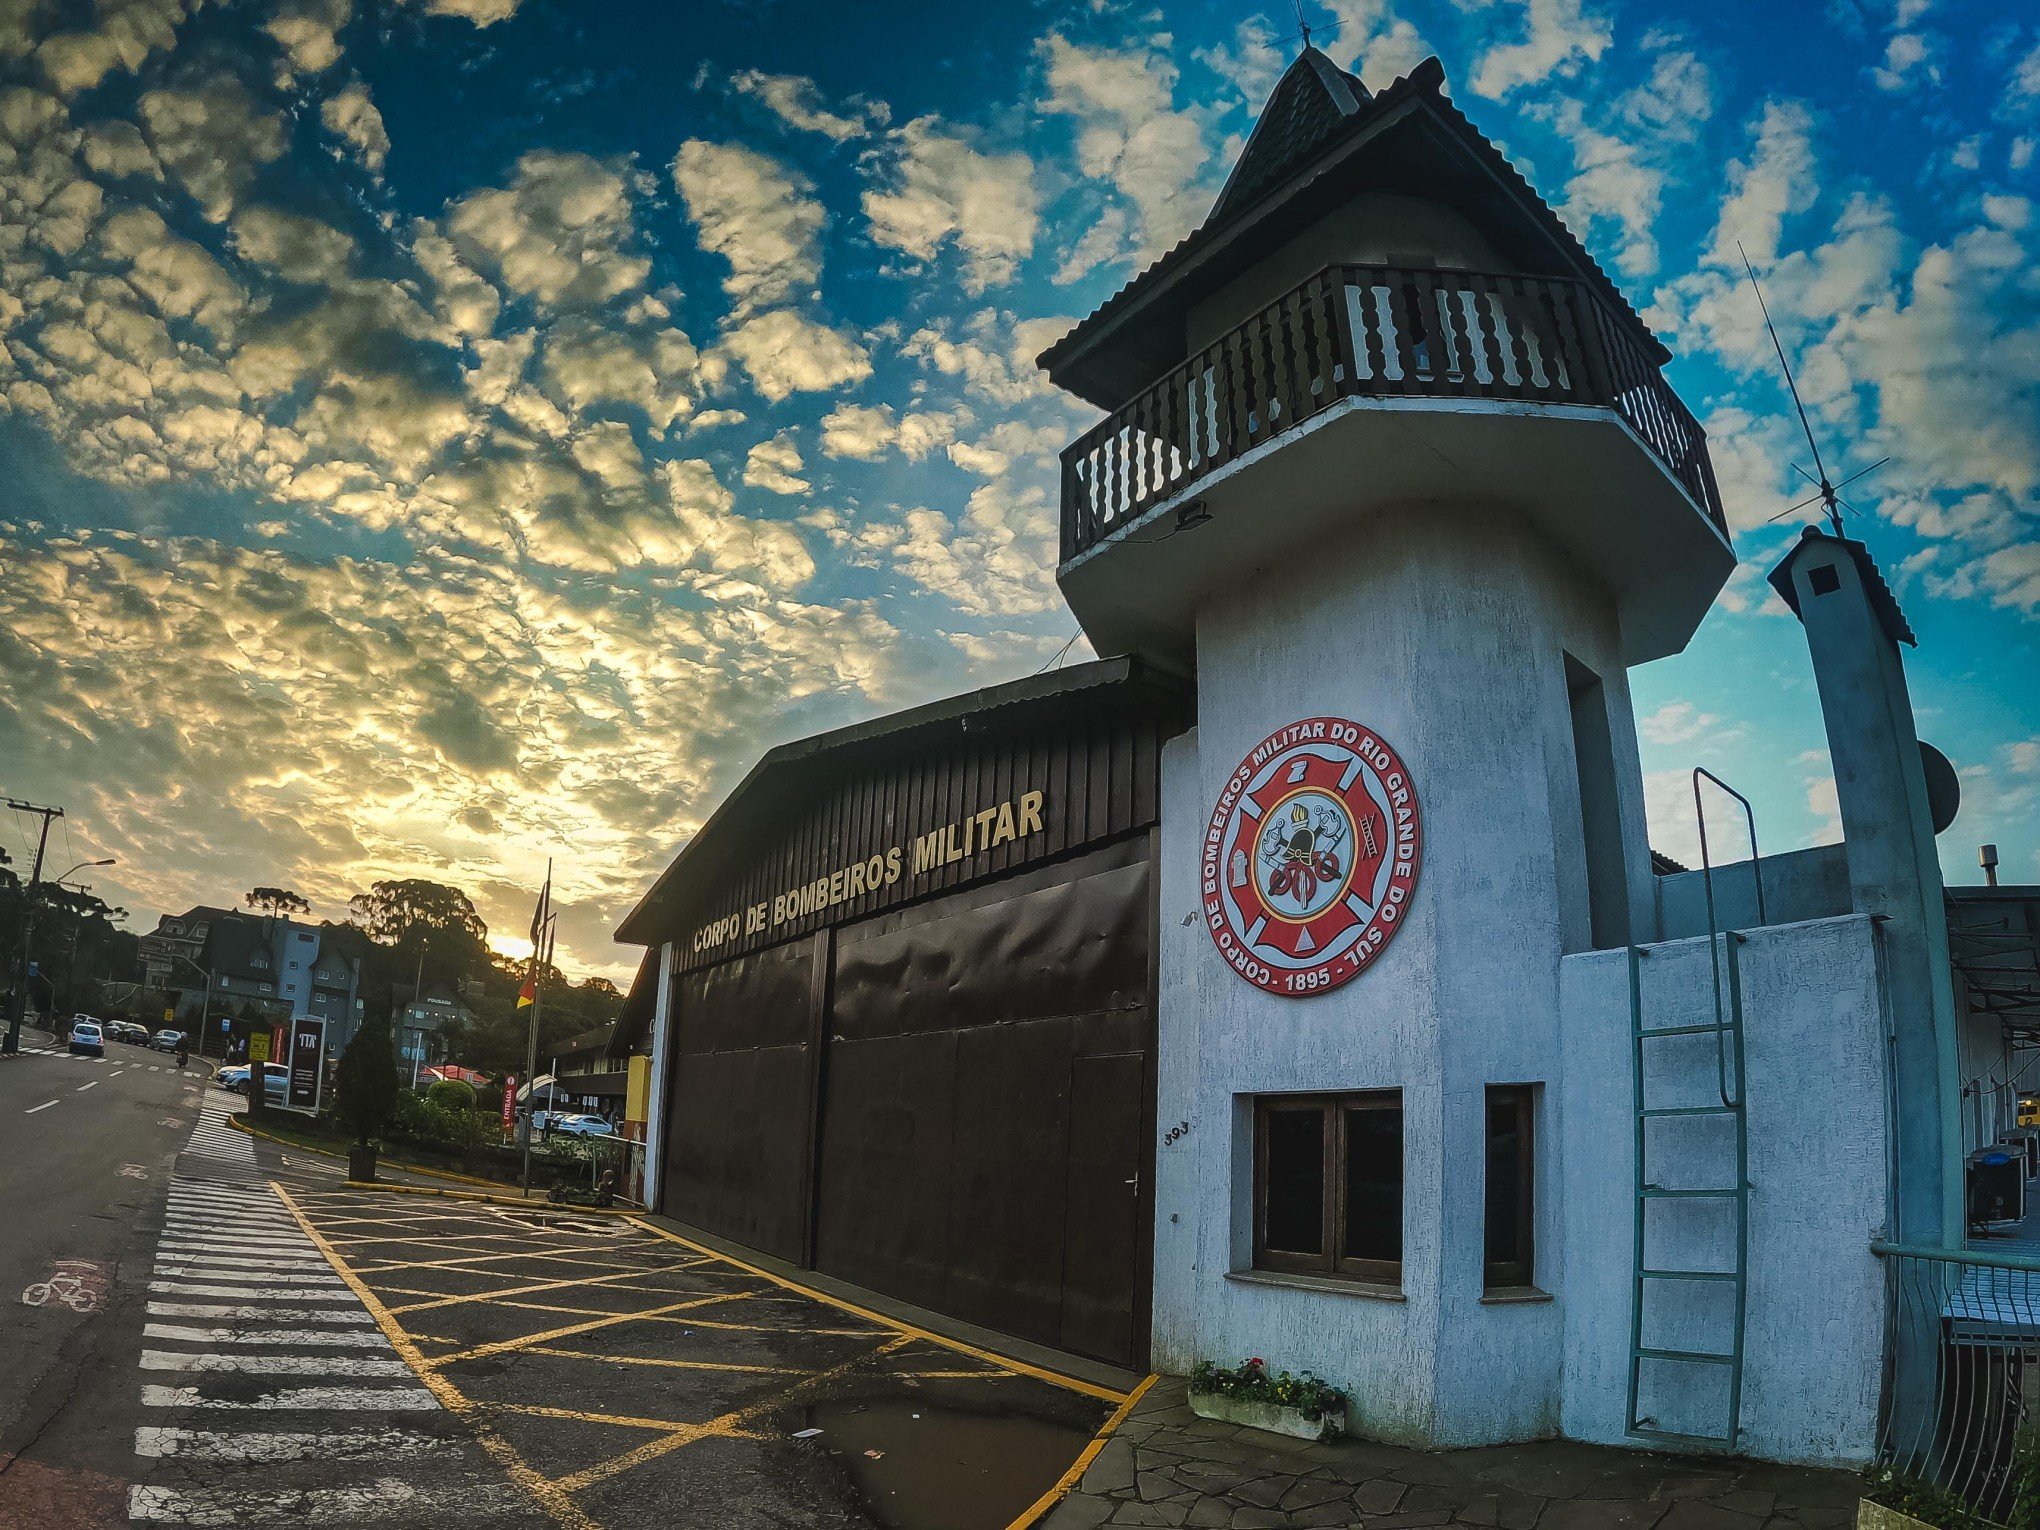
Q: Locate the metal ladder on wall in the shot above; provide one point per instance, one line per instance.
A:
(1653, 1279)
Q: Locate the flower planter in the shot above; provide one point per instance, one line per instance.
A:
(1874, 1516)
(1262, 1415)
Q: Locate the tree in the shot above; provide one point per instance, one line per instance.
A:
(276, 900)
(366, 1083)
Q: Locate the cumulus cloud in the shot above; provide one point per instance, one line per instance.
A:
(307, 31)
(1250, 62)
(122, 36)
(297, 248)
(998, 559)
(1559, 36)
(1776, 180)
(784, 352)
(587, 365)
(756, 214)
(794, 99)
(1130, 137)
(866, 432)
(212, 139)
(352, 117)
(560, 232)
(991, 351)
(775, 466)
(936, 188)
(1372, 40)
(483, 13)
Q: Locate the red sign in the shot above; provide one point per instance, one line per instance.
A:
(1311, 856)
(509, 1103)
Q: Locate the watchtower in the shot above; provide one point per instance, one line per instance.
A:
(1385, 450)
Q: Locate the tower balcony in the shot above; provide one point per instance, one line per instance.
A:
(1368, 386)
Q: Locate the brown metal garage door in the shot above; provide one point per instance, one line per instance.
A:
(985, 1100)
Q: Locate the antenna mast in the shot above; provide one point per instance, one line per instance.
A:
(1831, 502)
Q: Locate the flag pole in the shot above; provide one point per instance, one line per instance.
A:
(539, 918)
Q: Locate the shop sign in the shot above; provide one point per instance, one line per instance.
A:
(307, 1062)
(509, 1103)
(1311, 857)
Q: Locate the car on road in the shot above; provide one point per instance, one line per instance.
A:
(166, 1040)
(127, 1032)
(571, 1124)
(87, 1039)
(234, 1078)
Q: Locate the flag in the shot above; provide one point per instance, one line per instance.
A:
(528, 994)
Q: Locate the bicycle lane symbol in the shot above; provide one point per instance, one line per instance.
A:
(79, 1284)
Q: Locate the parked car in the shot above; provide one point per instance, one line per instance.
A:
(576, 1125)
(166, 1040)
(87, 1039)
(234, 1078)
(127, 1032)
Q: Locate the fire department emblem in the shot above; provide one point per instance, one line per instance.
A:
(1311, 856)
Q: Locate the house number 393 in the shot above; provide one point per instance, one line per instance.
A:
(1175, 1134)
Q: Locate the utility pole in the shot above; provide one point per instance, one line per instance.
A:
(543, 922)
(22, 962)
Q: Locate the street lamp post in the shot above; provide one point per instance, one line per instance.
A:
(205, 1007)
(12, 1043)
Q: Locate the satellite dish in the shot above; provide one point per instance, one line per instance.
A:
(1944, 788)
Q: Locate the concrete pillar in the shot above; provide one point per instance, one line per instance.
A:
(1853, 629)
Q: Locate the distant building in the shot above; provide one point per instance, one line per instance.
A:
(216, 960)
(420, 1026)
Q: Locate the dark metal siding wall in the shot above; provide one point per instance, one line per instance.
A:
(738, 1149)
(1097, 770)
(981, 1133)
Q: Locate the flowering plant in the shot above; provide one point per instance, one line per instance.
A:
(1309, 1394)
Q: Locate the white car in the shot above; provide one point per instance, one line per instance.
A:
(165, 1041)
(574, 1125)
(87, 1039)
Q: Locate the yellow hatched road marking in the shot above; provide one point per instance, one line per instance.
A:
(693, 1322)
(724, 1424)
(501, 1346)
(573, 1258)
(622, 1420)
(612, 1282)
(549, 1496)
(675, 1365)
(1003, 1362)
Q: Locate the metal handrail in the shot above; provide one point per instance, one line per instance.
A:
(1713, 930)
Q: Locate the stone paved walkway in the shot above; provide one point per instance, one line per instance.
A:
(1166, 1466)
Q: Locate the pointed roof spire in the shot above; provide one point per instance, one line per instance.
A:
(1309, 103)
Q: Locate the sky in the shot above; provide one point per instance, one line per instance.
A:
(443, 435)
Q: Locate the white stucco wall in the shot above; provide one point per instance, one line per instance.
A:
(1819, 1162)
(1446, 632)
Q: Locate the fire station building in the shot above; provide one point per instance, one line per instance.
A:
(1298, 979)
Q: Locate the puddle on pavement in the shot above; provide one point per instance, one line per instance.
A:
(942, 1469)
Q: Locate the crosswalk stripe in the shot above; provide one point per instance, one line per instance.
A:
(298, 1399)
(272, 1365)
(339, 1445)
(303, 1337)
(385, 1498)
(239, 1261)
(265, 1314)
(292, 1294)
(257, 1278)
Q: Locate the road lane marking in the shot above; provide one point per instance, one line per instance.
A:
(83, 1087)
(46, 1104)
(340, 1445)
(272, 1365)
(260, 1279)
(299, 1399)
(293, 1294)
(548, 1495)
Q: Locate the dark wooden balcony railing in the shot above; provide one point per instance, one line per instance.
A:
(1374, 332)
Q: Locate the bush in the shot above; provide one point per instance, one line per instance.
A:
(366, 1084)
(453, 1093)
(1922, 1500)
(1309, 1394)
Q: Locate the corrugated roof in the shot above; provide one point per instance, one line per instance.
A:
(1882, 601)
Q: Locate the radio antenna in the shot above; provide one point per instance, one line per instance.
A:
(1831, 502)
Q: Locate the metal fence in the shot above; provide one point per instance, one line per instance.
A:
(1962, 1369)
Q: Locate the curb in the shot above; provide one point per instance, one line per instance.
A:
(1047, 1502)
(242, 1122)
(541, 1204)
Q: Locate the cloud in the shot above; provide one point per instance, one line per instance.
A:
(125, 33)
(307, 31)
(1131, 138)
(1372, 39)
(351, 116)
(991, 350)
(866, 432)
(297, 248)
(1777, 180)
(1558, 37)
(998, 560)
(772, 466)
(212, 140)
(559, 232)
(586, 365)
(784, 352)
(756, 214)
(1250, 63)
(483, 13)
(936, 188)
(1676, 722)
(794, 99)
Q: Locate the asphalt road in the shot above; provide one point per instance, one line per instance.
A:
(85, 1150)
(197, 1328)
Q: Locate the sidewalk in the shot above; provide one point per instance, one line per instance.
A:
(1166, 1466)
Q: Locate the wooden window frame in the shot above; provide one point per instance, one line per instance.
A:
(1330, 1262)
(1519, 1271)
